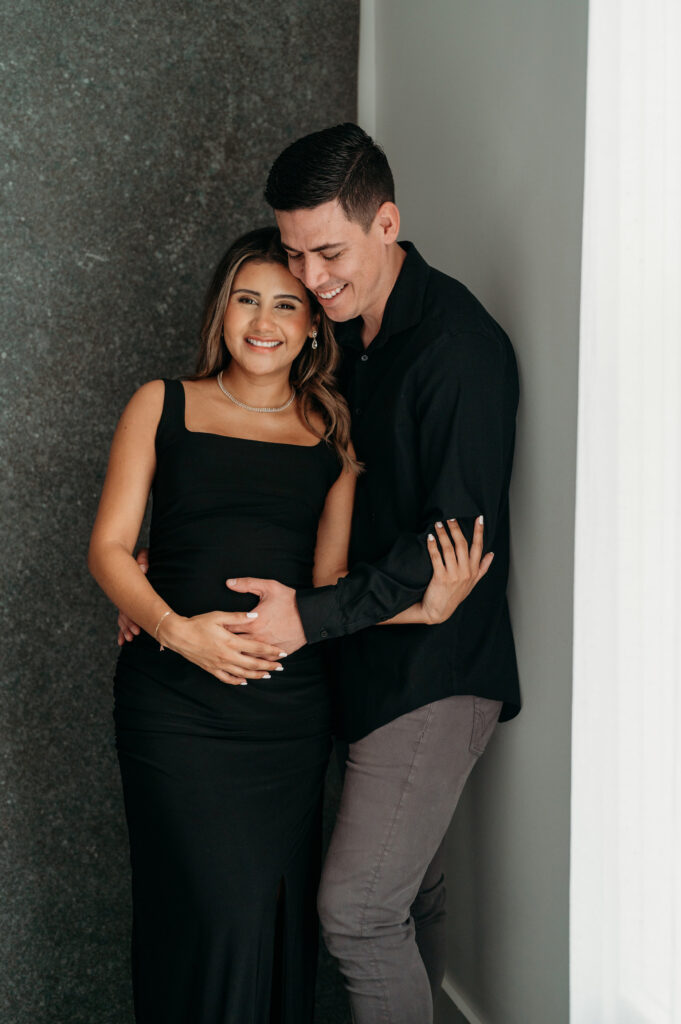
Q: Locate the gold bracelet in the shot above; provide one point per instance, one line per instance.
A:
(157, 626)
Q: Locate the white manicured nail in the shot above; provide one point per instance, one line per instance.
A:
(243, 684)
(251, 615)
(431, 536)
(283, 654)
(481, 519)
(438, 524)
(267, 676)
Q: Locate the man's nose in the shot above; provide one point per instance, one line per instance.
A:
(315, 273)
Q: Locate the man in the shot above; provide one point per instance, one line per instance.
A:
(432, 385)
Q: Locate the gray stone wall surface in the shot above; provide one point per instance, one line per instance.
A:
(135, 139)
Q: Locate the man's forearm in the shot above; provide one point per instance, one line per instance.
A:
(367, 595)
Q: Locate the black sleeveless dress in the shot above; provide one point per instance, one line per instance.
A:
(222, 784)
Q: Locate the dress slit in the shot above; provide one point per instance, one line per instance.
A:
(279, 957)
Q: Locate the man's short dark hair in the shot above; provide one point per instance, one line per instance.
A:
(342, 163)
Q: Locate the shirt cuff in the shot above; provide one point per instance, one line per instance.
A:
(319, 613)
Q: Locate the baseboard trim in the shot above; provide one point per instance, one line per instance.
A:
(452, 992)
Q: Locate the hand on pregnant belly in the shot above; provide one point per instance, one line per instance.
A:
(212, 642)
(278, 620)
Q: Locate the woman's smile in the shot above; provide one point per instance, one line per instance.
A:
(263, 343)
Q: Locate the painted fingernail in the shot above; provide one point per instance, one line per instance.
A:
(230, 582)
(451, 520)
(244, 683)
(431, 536)
(481, 519)
(251, 615)
(267, 676)
(279, 668)
(282, 654)
(439, 524)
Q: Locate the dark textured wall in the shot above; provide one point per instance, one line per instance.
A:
(135, 141)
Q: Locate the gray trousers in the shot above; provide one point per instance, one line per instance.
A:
(381, 898)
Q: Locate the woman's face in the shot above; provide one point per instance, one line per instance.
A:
(267, 319)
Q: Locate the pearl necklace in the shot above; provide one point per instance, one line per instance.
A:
(253, 408)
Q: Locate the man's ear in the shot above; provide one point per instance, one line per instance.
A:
(387, 221)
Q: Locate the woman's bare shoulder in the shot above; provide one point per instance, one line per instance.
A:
(146, 405)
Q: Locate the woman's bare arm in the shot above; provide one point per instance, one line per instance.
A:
(333, 532)
(132, 464)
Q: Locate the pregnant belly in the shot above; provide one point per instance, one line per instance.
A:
(193, 581)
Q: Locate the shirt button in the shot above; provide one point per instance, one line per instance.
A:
(364, 358)
(323, 634)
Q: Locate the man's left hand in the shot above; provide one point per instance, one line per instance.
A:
(278, 621)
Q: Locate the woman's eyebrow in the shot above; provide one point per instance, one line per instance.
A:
(250, 291)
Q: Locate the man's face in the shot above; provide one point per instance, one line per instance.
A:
(336, 259)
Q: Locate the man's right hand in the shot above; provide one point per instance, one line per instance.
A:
(127, 629)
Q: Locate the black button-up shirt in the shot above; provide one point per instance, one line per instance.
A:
(433, 401)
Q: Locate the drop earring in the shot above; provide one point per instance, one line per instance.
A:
(314, 338)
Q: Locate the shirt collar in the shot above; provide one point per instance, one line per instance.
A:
(402, 310)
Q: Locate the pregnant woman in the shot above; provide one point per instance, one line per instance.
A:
(223, 741)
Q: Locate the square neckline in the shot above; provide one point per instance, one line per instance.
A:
(236, 437)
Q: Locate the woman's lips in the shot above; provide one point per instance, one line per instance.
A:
(263, 343)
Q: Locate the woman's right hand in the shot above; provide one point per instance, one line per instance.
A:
(211, 642)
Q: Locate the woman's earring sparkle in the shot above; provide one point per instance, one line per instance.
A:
(314, 339)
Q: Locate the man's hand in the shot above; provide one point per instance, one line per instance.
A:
(127, 629)
(278, 621)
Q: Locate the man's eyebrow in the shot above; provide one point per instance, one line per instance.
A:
(249, 291)
(317, 248)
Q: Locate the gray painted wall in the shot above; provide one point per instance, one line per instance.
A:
(480, 107)
(135, 141)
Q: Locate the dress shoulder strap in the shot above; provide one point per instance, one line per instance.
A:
(171, 424)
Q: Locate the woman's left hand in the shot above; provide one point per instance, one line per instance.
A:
(456, 570)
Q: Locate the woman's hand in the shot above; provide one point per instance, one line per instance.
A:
(456, 570)
(210, 641)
